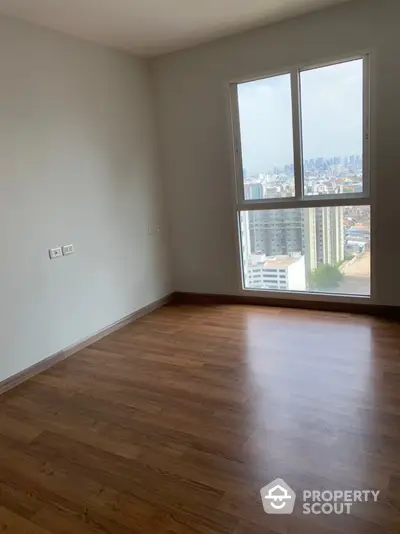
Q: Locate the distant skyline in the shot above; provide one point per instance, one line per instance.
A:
(326, 157)
(332, 117)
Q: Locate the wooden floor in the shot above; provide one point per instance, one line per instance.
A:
(174, 423)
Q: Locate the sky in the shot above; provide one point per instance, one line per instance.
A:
(331, 101)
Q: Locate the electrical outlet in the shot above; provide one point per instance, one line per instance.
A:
(68, 249)
(55, 253)
(154, 230)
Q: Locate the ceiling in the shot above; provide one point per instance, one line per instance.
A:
(153, 27)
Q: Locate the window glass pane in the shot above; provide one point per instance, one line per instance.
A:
(332, 128)
(265, 112)
(323, 250)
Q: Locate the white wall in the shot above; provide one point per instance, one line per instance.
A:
(196, 159)
(77, 164)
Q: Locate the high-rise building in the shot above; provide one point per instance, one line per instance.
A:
(329, 235)
(284, 232)
(253, 191)
(315, 233)
(309, 239)
(276, 232)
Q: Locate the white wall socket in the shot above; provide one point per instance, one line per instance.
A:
(55, 253)
(68, 249)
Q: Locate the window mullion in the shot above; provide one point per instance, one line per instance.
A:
(297, 144)
(313, 202)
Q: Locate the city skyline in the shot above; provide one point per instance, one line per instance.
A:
(308, 249)
(332, 116)
(322, 176)
(301, 249)
(307, 162)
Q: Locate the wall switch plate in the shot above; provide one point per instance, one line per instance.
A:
(68, 249)
(55, 253)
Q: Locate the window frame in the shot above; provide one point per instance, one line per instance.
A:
(300, 200)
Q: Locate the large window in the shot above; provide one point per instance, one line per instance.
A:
(302, 162)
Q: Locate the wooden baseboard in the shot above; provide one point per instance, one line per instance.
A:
(392, 312)
(37, 368)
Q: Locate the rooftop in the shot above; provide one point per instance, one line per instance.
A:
(359, 228)
(280, 261)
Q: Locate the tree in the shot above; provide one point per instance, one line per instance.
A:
(348, 256)
(325, 276)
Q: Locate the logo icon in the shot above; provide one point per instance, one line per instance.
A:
(278, 497)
